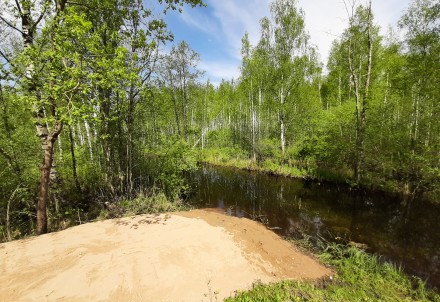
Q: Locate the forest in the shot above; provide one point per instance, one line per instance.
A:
(96, 115)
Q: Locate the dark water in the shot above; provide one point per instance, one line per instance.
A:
(408, 235)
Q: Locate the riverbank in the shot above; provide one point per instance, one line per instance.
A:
(199, 255)
(343, 177)
(359, 277)
(402, 235)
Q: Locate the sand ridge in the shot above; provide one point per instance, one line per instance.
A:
(200, 255)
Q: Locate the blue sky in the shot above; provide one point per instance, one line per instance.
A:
(215, 31)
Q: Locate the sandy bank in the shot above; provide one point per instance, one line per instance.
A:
(191, 256)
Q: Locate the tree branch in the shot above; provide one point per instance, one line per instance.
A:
(11, 26)
(18, 7)
(34, 26)
(6, 58)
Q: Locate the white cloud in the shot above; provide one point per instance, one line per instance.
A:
(228, 20)
(218, 70)
(238, 17)
(389, 12)
(326, 20)
(198, 20)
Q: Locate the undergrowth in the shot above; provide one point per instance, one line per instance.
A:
(239, 160)
(156, 202)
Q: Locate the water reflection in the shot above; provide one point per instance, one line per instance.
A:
(402, 232)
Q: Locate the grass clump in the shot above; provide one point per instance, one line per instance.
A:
(230, 157)
(156, 202)
(359, 277)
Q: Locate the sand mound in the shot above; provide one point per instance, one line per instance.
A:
(202, 255)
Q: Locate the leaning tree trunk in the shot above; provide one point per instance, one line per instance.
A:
(47, 138)
(47, 143)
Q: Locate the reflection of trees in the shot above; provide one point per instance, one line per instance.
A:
(404, 233)
(353, 223)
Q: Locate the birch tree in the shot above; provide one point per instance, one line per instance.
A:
(290, 58)
(359, 39)
(421, 50)
(181, 73)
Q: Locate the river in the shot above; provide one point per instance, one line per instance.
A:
(406, 234)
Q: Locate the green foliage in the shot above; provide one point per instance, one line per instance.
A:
(309, 149)
(17, 204)
(168, 165)
(86, 66)
(267, 149)
(223, 155)
(359, 277)
(219, 138)
(19, 172)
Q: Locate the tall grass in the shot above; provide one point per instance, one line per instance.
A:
(152, 203)
(229, 157)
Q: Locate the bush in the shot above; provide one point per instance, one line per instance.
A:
(168, 164)
(267, 149)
